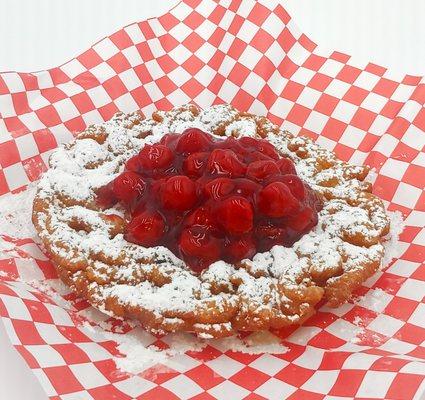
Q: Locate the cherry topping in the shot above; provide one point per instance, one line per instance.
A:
(146, 229)
(210, 199)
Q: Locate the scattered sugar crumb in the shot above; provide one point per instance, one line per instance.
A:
(357, 321)
(391, 243)
(374, 300)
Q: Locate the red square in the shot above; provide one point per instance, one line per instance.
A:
(391, 109)
(146, 29)
(258, 14)
(419, 120)
(341, 57)
(375, 69)
(287, 68)
(193, 42)
(363, 119)
(404, 386)
(355, 95)
(114, 87)
(3, 87)
(157, 393)
(75, 125)
(143, 74)
(48, 116)
(249, 378)
(292, 91)
(119, 63)
(385, 87)
(334, 129)
(168, 21)
(267, 96)
(390, 283)
(204, 376)
(217, 37)
(415, 176)
(294, 375)
(347, 383)
(193, 65)
(107, 111)
(262, 41)
(298, 114)
(325, 340)
(333, 360)
(143, 48)
(20, 103)
(314, 62)
(193, 20)
(108, 392)
(15, 126)
(237, 48)
(264, 68)
(319, 82)
(83, 102)
(192, 88)
(326, 104)
(27, 356)
(306, 42)
(58, 76)
(86, 80)
(242, 100)
(9, 154)
(385, 187)
(45, 140)
(89, 58)
(286, 40)
(411, 333)
(71, 353)
(121, 39)
(216, 60)
(141, 97)
(39, 312)
(166, 85)
(53, 94)
(27, 332)
(238, 74)
(4, 188)
(348, 74)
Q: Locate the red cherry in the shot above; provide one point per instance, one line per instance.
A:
(128, 186)
(218, 188)
(258, 170)
(267, 148)
(193, 140)
(146, 229)
(295, 185)
(156, 156)
(196, 241)
(302, 221)
(170, 140)
(202, 216)
(286, 166)
(237, 249)
(133, 164)
(194, 164)
(105, 196)
(276, 200)
(225, 162)
(248, 142)
(178, 193)
(246, 187)
(268, 234)
(236, 215)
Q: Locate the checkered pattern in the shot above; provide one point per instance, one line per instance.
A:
(251, 54)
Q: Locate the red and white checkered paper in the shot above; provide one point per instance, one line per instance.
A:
(252, 55)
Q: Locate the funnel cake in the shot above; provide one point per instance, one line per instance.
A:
(88, 229)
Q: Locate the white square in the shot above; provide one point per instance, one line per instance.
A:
(410, 110)
(180, 54)
(181, 11)
(45, 355)
(36, 100)
(50, 333)
(375, 300)
(126, 103)
(16, 176)
(82, 395)
(105, 49)
(132, 55)
(73, 68)
(180, 32)
(343, 329)
(311, 358)
(182, 363)
(403, 267)
(205, 52)
(250, 57)
(103, 72)
(380, 125)
(253, 84)
(418, 160)
(360, 361)
(420, 238)
(366, 80)
(183, 387)
(352, 137)
(226, 65)
(16, 308)
(59, 315)
(227, 19)
(13, 82)
(275, 389)
(206, 29)
(27, 146)
(316, 122)
(156, 27)
(269, 364)
(225, 366)
(31, 121)
(281, 107)
(178, 98)
(414, 137)
(222, 391)
(247, 31)
(331, 67)
(10, 330)
(321, 381)
(412, 289)
(273, 25)
(326, 142)
(66, 109)
(7, 109)
(44, 80)
(386, 145)
(134, 33)
(375, 384)
(396, 346)
(205, 8)
(277, 83)
(298, 54)
(88, 375)
(205, 98)
(394, 168)
(44, 382)
(358, 158)
(337, 88)
(94, 351)
(275, 54)
(386, 325)
(228, 91)
(99, 96)
(403, 93)
(415, 218)
(374, 102)
(309, 97)
(407, 195)
(205, 75)
(130, 79)
(344, 111)
(134, 386)
(302, 76)
(70, 88)
(154, 69)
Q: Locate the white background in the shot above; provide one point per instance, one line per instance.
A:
(36, 35)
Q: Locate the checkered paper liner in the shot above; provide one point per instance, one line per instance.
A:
(252, 55)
